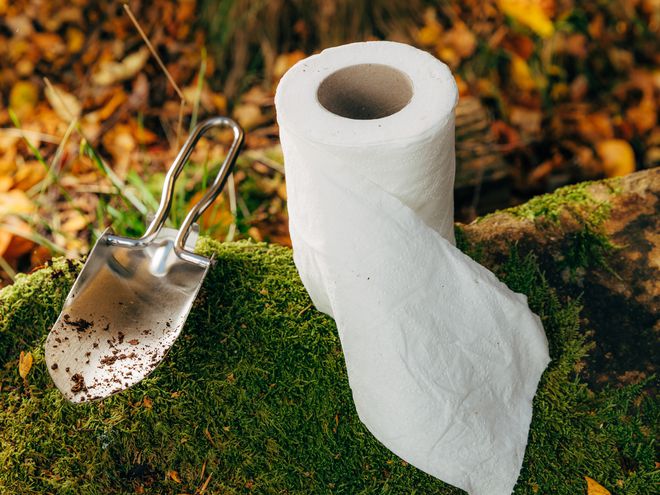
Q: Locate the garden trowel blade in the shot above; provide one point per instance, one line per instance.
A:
(122, 315)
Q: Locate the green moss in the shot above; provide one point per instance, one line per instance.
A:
(255, 394)
(581, 248)
(549, 206)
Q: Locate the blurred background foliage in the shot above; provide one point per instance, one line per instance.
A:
(552, 92)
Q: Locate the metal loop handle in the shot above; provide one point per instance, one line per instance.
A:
(212, 192)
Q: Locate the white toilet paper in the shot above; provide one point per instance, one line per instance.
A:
(442, 358)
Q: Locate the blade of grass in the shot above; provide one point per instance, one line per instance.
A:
(6, 267)
(86, 146)
(231, 190)
(57, 158)
(124, 193)
(48, 138)
(35, 151)
(36, 238)
(136, 181)
(198, 91)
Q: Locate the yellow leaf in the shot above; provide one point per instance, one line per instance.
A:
(15, 202)
(429, 34)
(24, 364)
(285, 61)
(617, 156)
(75, 222)
(530, 14)
(595, 488)
(75, 39)
(23, 98)
(522, 74)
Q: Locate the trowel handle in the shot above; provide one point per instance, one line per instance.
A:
(211, 193)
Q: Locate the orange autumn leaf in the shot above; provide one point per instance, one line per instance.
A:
(24, 364)
(174, 476)
(617, 156)
(6, 183)
(13, 246)
(595, 488)
(109, 108)
(28, 175)
(643, 116)
(218, 216)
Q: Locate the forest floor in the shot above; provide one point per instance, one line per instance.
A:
(89, 120)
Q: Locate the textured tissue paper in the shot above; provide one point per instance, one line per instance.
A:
(443, 359)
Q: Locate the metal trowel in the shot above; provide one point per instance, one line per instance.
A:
(129, 303)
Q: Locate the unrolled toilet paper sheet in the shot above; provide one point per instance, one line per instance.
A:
(443, 359)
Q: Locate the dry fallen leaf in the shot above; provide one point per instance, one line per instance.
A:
(617, 156)
(23, 98)
(285, 61)
(111, 72)
(75, 222)
(522, 74)
(174, 476)
(12, 244)
(530, 14)
(248, 115)
(218, 216)
(429, 34)
(595, 126)
(24, 364)
(461, 39)
(66, 106)
(28, 174)
(643, 116)
(595, 488)
(15, 202)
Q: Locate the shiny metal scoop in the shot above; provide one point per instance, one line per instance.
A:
(132, 297)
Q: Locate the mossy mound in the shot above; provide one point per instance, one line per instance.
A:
(254, 398)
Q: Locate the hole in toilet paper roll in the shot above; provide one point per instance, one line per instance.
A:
(365, 91)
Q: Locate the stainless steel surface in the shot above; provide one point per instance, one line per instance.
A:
(132, 297)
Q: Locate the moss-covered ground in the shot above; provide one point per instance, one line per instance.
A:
(254, 398)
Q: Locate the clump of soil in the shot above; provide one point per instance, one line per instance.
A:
(78, 383)
(80, 325)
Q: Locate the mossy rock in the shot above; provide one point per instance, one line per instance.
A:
(600, 242)
(254, 398)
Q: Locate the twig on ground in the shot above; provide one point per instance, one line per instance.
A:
(153, 51)
(232, 207)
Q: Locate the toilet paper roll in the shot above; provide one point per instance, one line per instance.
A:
(442, 358)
